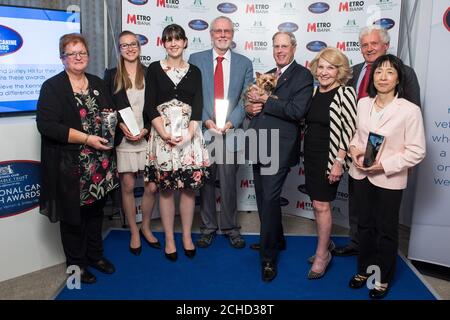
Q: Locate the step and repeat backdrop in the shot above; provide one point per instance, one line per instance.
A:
(315, 24)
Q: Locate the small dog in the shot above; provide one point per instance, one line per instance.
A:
(265, 83)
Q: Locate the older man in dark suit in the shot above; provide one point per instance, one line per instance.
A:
(374, 42)
(279, 115)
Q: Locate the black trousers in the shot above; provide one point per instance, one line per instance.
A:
(377, 227)
(83, 243)
(268, 191)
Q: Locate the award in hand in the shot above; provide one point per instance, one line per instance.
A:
(221, 112)
(176, 121)
(374, 143)
(109, 122)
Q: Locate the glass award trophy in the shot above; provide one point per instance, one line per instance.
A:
(221, 112)
(176, 121)
(373, 147)
(109, 122)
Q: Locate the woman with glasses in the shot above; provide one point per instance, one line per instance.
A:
(177, 157)
(78, 168)
(126, 84)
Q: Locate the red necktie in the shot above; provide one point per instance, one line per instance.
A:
(218, 80)
(362, 92)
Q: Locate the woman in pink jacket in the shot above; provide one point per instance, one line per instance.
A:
(393, 128)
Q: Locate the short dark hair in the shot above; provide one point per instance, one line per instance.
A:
(395, 63)
(173, 31)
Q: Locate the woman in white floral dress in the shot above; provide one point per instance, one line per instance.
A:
(177, 158)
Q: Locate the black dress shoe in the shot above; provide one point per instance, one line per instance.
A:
(87, 277)
(269, 271)
(154, 245)
(378, 292)
(189, 253)
(358, 281)
(345, 251)
(171, 256)
(136, 251)
(103, 265)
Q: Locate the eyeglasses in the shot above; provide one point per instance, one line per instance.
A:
(220, 31)
(73, 55)
(283, 46)
(125, 46)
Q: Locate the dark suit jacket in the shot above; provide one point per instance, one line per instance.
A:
(121, 101)
(57, 112)
(411, 88)
(294, 91)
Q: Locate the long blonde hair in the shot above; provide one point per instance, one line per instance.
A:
(122, 80)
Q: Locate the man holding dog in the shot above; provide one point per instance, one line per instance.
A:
(280, 113)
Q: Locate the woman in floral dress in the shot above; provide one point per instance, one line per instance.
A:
(78, 168)
(177, 158)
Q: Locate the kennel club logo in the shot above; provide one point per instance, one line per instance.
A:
(319, 7)
(19, 187)
(138, 2)
(10, 41)
(227, 7)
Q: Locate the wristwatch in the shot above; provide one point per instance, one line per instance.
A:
(340, 160)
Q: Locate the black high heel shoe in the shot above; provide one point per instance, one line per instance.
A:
(171, 256)
(154, 245)
(189, 253)
(136, 251)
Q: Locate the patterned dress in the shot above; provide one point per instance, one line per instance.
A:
(176, 167)
(97, 168)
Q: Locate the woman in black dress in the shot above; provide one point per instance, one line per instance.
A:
(330, 125)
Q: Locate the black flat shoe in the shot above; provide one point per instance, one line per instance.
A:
(87, 277)
(358, 281)
(171, 256)
(378, 292)
(136, 251)
(189, 253)
(269, 271)
(346, 251)
(154, 245)
(103, 265)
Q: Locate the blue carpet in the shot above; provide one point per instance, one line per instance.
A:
(221, 272)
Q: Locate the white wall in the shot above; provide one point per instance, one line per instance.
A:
(28, 241)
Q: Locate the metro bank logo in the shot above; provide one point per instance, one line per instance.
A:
(10, 41)
(256, 45)
(140, 20)
(351, 6)
(171, 4)
(319, 27)
(348, 46)
(257, 8)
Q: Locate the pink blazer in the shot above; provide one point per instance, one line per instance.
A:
(404, 145)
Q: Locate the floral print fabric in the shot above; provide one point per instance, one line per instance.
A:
(98, 174)
(176, 167)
